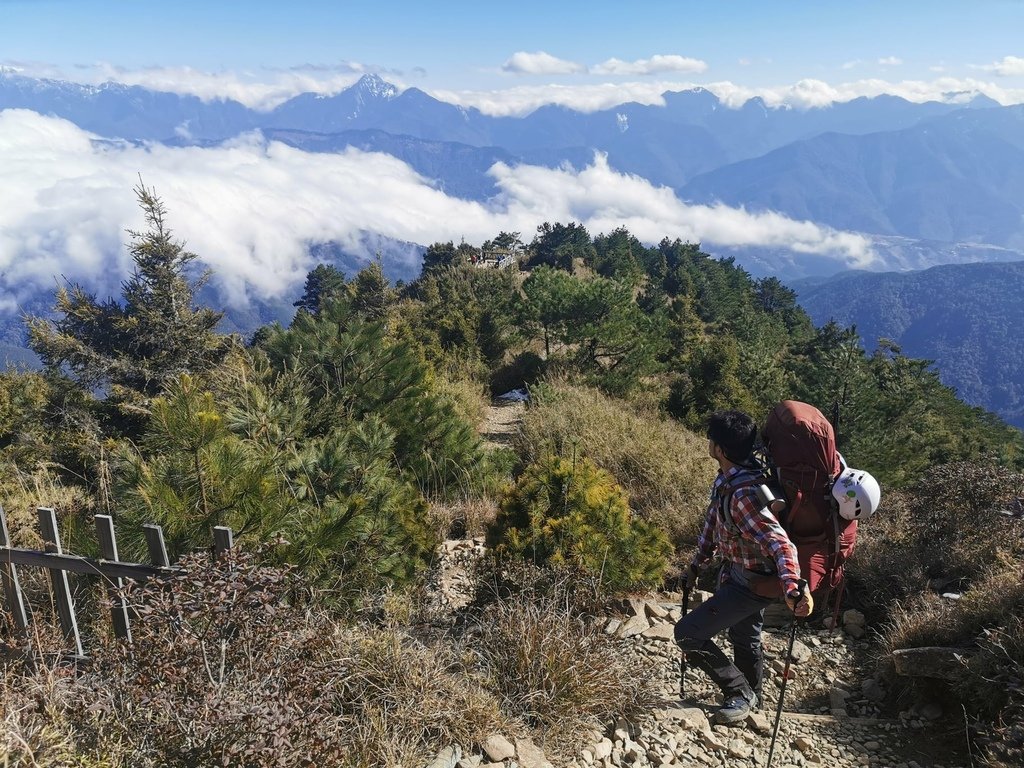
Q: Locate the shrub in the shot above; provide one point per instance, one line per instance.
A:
(946, 527)
(663, 467)
(567, 511)
(229, 667)
(547, 661)
(995, 689)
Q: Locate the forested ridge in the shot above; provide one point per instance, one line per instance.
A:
(965, 317)
(343, 448)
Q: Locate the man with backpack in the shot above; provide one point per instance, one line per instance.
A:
(760, 564)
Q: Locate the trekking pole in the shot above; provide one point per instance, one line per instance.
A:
(801, 585)
(682, 653)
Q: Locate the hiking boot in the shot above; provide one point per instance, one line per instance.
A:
(735, 709)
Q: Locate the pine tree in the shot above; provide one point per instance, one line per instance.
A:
(325, 281)
(130, 349)
(569, 512)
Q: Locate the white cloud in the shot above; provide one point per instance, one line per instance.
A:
(804, 94)
(261, 90)
(852, 64)
(250, 208)
(540, 63)
(651, 66)
(1009, 66)
(890, 61)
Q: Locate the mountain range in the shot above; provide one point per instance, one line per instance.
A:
(927, 183)
(967, 318)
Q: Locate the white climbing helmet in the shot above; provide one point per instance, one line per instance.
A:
(857, 493)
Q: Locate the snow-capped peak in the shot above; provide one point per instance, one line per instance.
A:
(374, 85)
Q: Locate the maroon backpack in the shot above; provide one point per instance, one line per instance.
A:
(801, 445)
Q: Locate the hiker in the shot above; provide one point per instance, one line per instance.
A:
(760, 564)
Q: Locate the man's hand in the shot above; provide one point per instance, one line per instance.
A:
(799, 601)
(689, 578)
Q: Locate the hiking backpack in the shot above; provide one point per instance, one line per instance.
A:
(800, 446)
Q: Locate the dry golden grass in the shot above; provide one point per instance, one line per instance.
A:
(539, 651)
(465, 518)
(21, 493)
(469, 397)
(37, 730)
(663, 467)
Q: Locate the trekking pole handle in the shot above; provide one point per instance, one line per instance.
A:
(799, 594)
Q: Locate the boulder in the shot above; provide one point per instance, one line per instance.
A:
(660, 631)
(446, 758)
(853, 617)
(498, 748)
(529, 755)
(602, 749)
(634, 626)
(800, 654)
(935, 661)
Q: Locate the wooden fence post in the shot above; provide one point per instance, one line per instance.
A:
(59, 580)
(155, 543)
(108, 548)
(12, 587)
(223, 540)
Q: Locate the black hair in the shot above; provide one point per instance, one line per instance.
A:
(734, 432)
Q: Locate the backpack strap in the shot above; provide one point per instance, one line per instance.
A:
(725, 493)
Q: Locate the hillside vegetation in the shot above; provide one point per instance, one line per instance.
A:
(965, 317)
(341, 450)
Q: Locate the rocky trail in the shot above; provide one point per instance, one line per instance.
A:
(500, 423)
(835, 713)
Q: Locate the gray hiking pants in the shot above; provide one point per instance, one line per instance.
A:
(741, 612)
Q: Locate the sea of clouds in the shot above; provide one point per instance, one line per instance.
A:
(251, 209)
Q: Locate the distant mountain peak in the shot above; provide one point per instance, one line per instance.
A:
(374, 85)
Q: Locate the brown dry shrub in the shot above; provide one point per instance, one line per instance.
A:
(947, 527)
(543, 655)
(226, 668)
(37, 730)
(929, 619)
(994, 688)
(988, 623)
(663, 467)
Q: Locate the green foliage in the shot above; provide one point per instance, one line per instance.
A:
(462, 319)
(191, 473)
(713, 383)
(560, 245)
(132, 349)
(323, 283)
(567, 511)
(371, 292)
(354, 371)
(24, 398)
(440, 256)
(592, 324)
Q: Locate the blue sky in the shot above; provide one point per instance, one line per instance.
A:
(472, 46)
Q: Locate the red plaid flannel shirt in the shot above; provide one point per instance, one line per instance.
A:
(754, 538)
